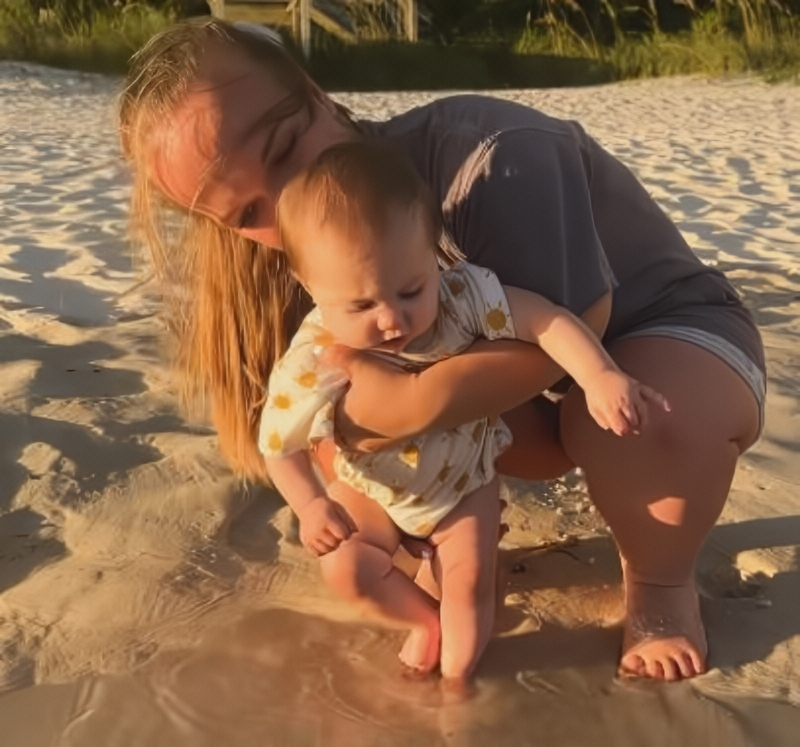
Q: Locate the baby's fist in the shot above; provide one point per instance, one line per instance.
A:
(324, 525)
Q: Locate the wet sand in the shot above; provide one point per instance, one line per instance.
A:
(146, 598)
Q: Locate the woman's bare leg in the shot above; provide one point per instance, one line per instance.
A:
(465, 567)
(662, 491)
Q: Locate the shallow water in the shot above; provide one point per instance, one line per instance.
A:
(281, 678)
(146, 600)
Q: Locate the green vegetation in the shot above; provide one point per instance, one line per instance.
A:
(735, 36)
(464, 43)
(80, 34)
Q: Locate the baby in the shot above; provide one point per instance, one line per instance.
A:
(361, 234)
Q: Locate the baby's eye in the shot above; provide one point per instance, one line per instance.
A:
(407, 295)
(248, 217)
(360, 306)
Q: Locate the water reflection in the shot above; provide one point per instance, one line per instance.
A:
(285, 679)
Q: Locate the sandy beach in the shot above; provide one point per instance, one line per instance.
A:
(147, 598)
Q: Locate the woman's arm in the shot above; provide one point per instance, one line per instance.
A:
(487, 379)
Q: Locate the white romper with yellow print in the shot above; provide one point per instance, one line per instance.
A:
(420, 481)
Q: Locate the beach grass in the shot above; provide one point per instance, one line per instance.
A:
(749, 36)
(69, 34)
(562, 45)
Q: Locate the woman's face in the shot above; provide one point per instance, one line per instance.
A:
(237, 138)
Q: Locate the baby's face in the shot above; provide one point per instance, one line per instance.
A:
(374, 291)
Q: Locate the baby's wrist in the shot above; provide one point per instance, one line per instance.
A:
(308, 503)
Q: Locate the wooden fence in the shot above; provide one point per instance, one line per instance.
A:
(298, 15)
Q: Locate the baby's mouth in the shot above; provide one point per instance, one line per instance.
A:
(395, 345)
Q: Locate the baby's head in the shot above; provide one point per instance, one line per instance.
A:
(361, 233)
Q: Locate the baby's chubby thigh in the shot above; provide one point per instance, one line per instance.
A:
(466, 538)
(365, 559)
(373, 523)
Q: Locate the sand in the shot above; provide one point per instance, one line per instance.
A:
(147, 598)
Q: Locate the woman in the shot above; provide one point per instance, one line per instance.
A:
(216, 119)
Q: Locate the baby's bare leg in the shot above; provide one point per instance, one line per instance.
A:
(361, 570)
(465, 566)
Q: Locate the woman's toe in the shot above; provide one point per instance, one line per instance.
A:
(672, 673)
(685, 664)
(698, 662)
(632, 665)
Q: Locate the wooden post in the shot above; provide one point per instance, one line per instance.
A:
(305, 26)
(411, 20)
(294, 10)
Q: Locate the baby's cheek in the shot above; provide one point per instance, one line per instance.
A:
(429, 312)
(360, 336)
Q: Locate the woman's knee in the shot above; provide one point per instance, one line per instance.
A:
(667, 435)
(353, 568)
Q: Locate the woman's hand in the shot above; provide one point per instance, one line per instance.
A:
(370, 381)
(324, 525)
(620, 404)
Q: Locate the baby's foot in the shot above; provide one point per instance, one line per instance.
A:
(420, 652)
(664, 636)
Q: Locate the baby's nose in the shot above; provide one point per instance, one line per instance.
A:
(392, 323)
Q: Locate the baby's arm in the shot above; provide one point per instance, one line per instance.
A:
(324, 524)
(615, 400)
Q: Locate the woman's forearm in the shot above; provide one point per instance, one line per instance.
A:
(487, 379)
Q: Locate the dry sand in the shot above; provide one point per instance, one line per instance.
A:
(147, 599)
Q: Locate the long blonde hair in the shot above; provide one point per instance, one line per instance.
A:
(231, 303)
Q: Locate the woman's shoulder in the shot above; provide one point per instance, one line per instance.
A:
(451, 140)
(469, 114)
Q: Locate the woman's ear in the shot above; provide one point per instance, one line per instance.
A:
(320, 96)
(337, 111)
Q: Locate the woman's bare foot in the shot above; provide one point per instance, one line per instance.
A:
(420, 652)
(664, 637)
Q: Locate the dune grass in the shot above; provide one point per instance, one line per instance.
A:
(748, 36)
(561, 46)
(67, 35)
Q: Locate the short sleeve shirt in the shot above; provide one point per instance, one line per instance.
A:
(419, 481)
(472, 305)
(539, 202)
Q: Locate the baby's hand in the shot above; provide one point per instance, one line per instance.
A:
(620, 404)
(324, 524)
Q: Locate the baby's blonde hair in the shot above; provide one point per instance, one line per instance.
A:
(232, 304)
(352, 187)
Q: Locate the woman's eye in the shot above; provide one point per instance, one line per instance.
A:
(408, 295)
(285, 151)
